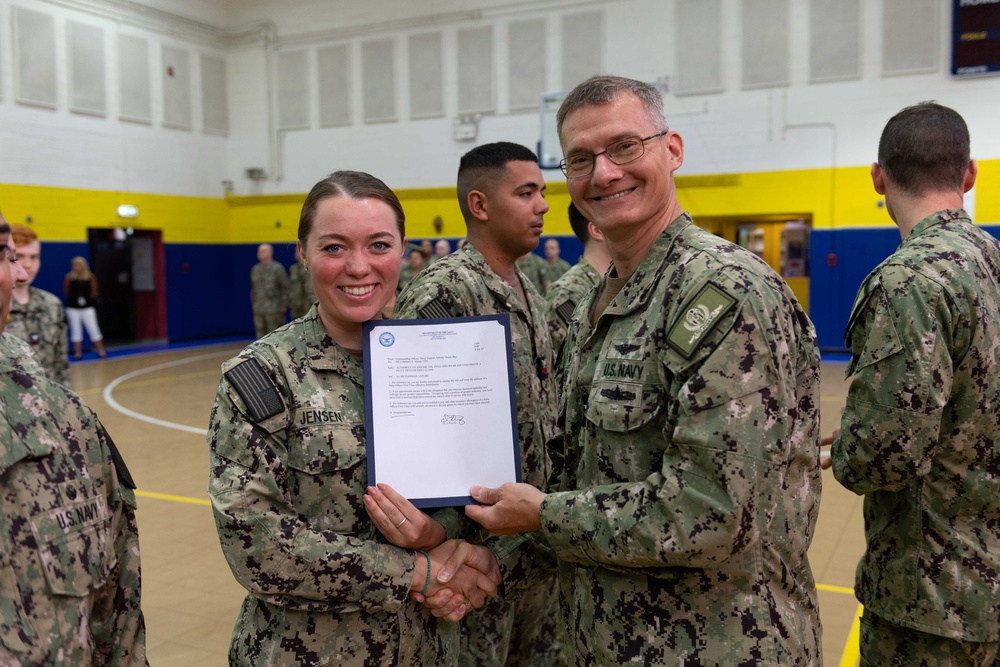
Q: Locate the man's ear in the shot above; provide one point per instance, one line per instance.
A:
(878, 178)
(970, 176)
(479, 205)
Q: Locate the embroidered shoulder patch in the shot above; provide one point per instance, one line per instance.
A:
(256, 389)
(565, 311)
(698, 318)
(435, 310)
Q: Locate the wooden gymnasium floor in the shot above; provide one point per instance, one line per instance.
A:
(156, 406)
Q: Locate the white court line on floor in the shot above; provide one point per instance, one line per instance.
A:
(109, 399)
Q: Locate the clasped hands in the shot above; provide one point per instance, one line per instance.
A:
(462, 575)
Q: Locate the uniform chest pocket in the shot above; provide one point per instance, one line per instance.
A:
(326, 471)
(75, 545)
(621, 407)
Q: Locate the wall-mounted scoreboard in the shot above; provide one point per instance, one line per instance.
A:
(975, 46)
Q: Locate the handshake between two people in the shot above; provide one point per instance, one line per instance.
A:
(457, 576)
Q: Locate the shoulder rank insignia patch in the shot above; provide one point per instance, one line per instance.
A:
(256, 389)
(435, 310)
(698, 318)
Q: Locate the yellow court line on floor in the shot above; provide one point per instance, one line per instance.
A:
(835, 589)
(176, 499)
(852, 649)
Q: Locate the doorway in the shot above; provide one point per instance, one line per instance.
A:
(780, 240)
(130, 268)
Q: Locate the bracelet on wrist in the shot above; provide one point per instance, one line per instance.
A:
(427, 583)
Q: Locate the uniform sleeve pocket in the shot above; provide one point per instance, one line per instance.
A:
(75, 546)
(880, 337)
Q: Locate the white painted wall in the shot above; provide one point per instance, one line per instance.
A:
(59, 147)
(799, 126)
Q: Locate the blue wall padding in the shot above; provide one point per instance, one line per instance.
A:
(208, 285)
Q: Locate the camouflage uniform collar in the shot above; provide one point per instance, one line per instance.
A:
(642, 281)
(498, 285)
(325, 354)
(947, 215)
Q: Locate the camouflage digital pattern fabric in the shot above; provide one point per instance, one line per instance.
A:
(883, 643)
(691, 483)
(563, 296)
(301, 295)
(18, 354)
(405, 276)
(553, 272)
(70, 550)
(531, 265)
(42, 323)
(324, 587)
(920, 436)
(269, 293)
(519, 630)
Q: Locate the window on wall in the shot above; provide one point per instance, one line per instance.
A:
(426, 76)
(582, 37)
(475, 70)
(35, 51)
(333, 69)
(176, 65)
(379, 80)
(293, 91)
(909, 36)
(134, 78)
(214, 106)
(834, 40)
(699, 48)
(526, 58)
(765, 43)
(85, 44)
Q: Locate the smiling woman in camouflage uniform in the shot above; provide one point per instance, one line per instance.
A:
(288, 467)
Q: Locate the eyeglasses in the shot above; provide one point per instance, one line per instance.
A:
(621, 152)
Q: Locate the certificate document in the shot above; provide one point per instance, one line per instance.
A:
(440, 412)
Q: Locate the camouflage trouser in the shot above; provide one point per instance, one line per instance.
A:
(522, 634)
(265, 323)
(884, 644)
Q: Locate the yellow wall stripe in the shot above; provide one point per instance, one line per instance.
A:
(833, 198)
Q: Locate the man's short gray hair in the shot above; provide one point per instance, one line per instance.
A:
(603, 89)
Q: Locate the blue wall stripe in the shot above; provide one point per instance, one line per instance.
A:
(208, 285)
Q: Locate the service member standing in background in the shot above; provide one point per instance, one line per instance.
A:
(567, 291)
(532, 266)
(269, 292)
(689, 455)
(71, 586)
(554, 265)
(37, 316)
(501, 194)
(919, 436)
(300, 286)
